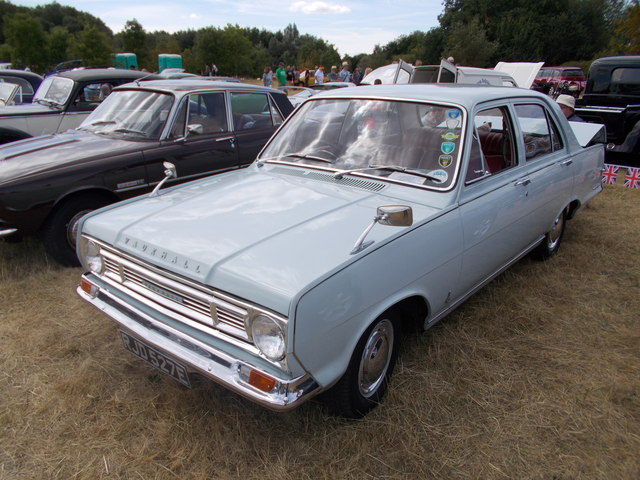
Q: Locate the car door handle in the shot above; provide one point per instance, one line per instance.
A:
(566, 162)
(523, 182)
(232, 138)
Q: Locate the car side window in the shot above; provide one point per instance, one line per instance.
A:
(252, 110)
(539, 133)
(494, 132)
(27, 88)
(179, 125)
(207, 113)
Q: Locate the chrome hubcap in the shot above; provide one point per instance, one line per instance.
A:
(72, 227)
(375, 358)
(553, 237)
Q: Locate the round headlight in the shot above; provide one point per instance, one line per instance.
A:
(268, 337)
(92, 258)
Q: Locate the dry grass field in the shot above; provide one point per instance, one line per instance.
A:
(535, 377)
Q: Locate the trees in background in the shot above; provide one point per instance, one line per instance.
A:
(476, 32)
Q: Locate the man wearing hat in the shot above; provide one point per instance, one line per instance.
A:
(568, 106)
(345, 74)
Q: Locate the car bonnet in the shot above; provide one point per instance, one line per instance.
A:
(259, 234)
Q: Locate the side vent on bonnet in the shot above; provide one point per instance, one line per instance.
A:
(328, 178)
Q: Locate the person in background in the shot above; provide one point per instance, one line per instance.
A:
(568, 106)
(214, 69)
(319, 75)
(267, 77)
(345, 74)
(357, 76)
(367, 71)
(306, 75)
(281, 74)
(418, 63)
(289, 75)
(296, 76)
(333, 74)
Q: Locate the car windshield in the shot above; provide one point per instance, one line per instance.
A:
(135, 114)
(417, 143)
(572, 73)
(54, 91)
(8, 92)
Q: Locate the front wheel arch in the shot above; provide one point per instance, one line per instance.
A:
(58, 229)
(366, 379)
(8, 135)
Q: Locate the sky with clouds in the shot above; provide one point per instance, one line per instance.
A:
(352, 26)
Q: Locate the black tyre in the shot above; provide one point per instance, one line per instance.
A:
(60, 231)
(367, 377)
(551, 242)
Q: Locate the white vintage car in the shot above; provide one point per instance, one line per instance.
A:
(370, 208)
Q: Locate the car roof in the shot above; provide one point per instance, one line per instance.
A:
(99, 74)
(464, 95)
(618, 59)
(193, 84)
(19, 73)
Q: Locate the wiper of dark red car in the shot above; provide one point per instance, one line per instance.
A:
(395, 168)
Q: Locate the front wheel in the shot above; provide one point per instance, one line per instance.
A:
(366, 380)
(551, 242)
(60, 231)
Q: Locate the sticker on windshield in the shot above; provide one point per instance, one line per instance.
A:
(450, 136)
(447, 147)
(451, 124)
(453, 113)
(445, 160)
(441, 175)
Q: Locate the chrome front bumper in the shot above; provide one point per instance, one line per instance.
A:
(198, 356)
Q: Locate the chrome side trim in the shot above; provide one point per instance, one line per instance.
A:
(433, 320)
(201, 358)
(8, 231)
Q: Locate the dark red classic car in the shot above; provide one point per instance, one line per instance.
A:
(560, 80)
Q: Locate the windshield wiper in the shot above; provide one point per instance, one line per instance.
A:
(395, 168)
(129, 130)
(49, 103)
(100, 122)
(304, 156)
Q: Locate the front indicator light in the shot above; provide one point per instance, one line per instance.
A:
(261, 381)
(89, 288)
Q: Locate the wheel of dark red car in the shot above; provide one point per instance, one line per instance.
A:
(365, 382)
(551, 242)
(60, 230)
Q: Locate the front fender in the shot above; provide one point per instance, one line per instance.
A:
(12, 135)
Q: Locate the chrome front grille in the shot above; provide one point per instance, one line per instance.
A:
(185, 301)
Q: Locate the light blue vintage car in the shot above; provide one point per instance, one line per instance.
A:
(370, 208)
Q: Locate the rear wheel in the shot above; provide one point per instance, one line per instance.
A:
(551, 242)
(366, 380)
(60, 231)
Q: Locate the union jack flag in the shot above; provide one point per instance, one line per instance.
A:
(610, 174)
(632, 178)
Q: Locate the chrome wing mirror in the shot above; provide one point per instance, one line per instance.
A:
(392, 215)
(169, 172)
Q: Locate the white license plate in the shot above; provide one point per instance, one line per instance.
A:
(155, 358)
